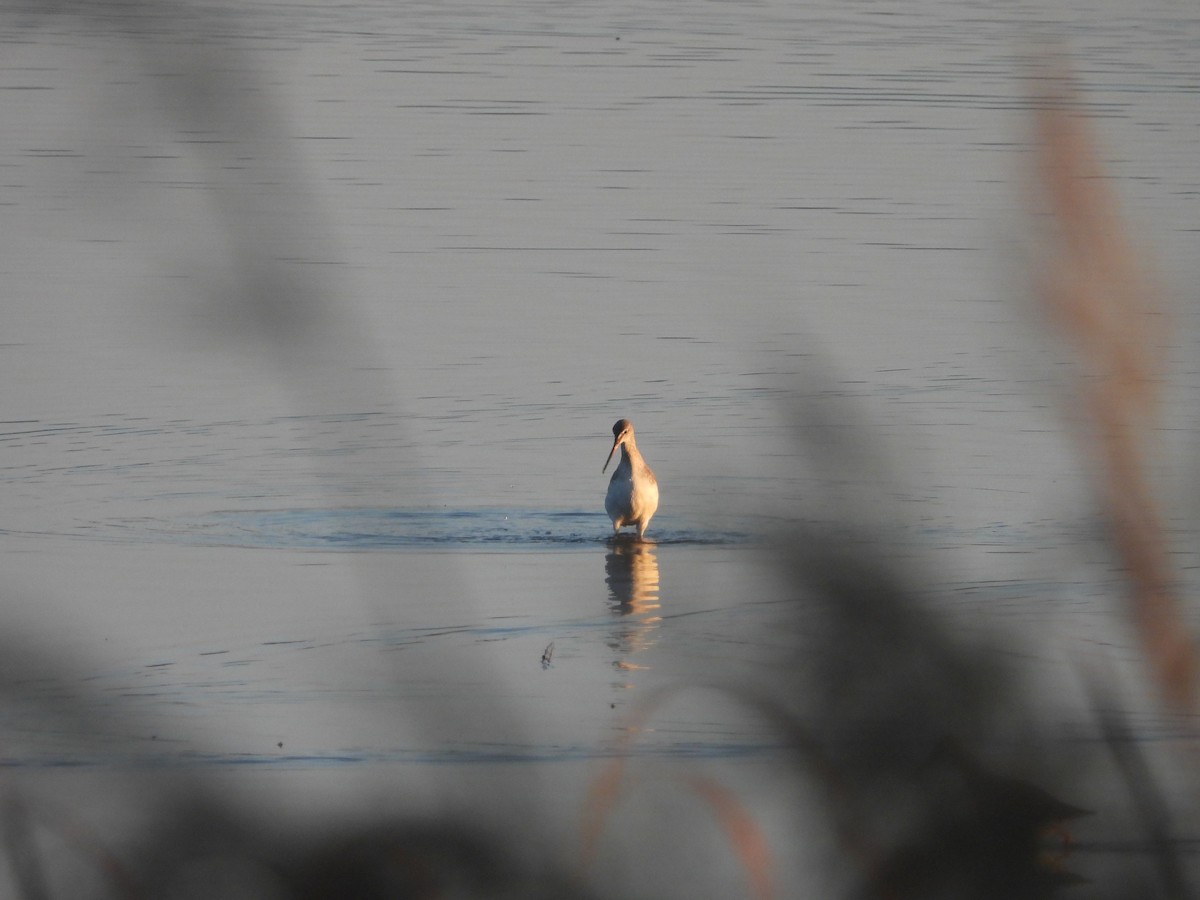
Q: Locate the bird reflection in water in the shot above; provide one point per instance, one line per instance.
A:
(631, 573)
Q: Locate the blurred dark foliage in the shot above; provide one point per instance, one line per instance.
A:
(898, 704)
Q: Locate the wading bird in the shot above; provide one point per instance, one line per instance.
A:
(633, 491)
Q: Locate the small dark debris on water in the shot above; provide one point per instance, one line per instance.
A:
(547, 654)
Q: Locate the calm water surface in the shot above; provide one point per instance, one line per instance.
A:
(316, 321)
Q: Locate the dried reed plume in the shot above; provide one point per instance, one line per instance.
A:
(1099, 287)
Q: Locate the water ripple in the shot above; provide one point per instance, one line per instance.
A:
(358, 529)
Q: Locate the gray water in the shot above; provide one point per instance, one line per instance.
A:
(316, 320)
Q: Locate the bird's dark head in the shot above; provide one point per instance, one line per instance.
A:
(622, 432)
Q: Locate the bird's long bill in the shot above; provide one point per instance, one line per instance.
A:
(610, 453)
